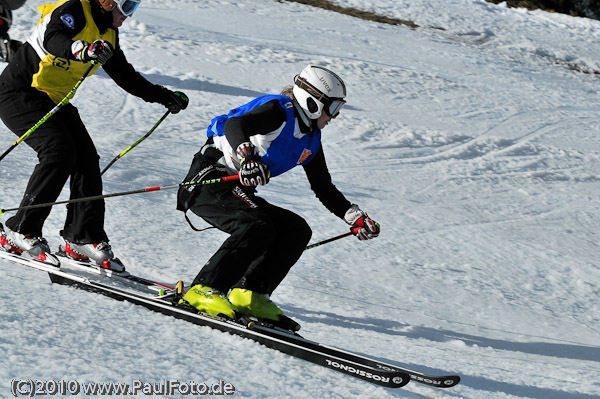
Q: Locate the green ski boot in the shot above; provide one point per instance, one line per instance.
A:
(210, 301)
(254, 304)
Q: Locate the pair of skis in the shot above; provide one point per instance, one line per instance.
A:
(162, 298)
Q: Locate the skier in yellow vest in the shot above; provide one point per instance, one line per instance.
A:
(70, 34)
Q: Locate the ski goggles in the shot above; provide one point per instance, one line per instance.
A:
(128, 7)
(331, 105)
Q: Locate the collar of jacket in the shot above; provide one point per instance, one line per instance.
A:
(102, 18)
(306, 125)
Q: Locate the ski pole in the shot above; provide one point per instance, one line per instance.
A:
(329, 240)
(142, 190)
(58, 106)
(136, 143)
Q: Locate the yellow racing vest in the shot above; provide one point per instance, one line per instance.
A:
(57, 76)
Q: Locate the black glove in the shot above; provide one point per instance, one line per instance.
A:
(362, 226)
(175, 101)
(98, 50)
(254, 172)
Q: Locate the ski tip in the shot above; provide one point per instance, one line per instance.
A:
(400, 380)
(447, 381)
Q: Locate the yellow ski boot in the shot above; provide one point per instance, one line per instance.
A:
(210, 301)
(254, 304)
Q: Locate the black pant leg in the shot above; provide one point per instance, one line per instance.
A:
(64, 150)
(292, 235)
(232, 209)
(85, 220)
(19, 112)
(265, 240)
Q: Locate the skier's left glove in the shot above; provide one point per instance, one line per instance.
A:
(175, 101)
(362, 226)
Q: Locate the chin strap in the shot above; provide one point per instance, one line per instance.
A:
(307, 122)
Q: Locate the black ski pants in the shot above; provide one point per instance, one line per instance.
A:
(65, 150)
(265, 240)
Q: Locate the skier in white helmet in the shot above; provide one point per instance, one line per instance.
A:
(261, 140)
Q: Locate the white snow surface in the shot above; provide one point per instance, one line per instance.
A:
(473, 140)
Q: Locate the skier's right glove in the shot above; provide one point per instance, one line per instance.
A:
(177, 101)
(253, 172)
(362, 226)
(98, 50)
(174, 101)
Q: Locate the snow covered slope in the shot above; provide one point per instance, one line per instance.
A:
(473, 140)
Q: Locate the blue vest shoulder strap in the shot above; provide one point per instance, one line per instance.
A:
(216, 124)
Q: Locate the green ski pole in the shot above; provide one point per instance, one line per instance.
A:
(136, 143)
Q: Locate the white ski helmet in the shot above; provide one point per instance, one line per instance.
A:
(317, 89)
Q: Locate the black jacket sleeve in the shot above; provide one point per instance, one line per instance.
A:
(321, 184)
(124, 75)
(261, 120)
